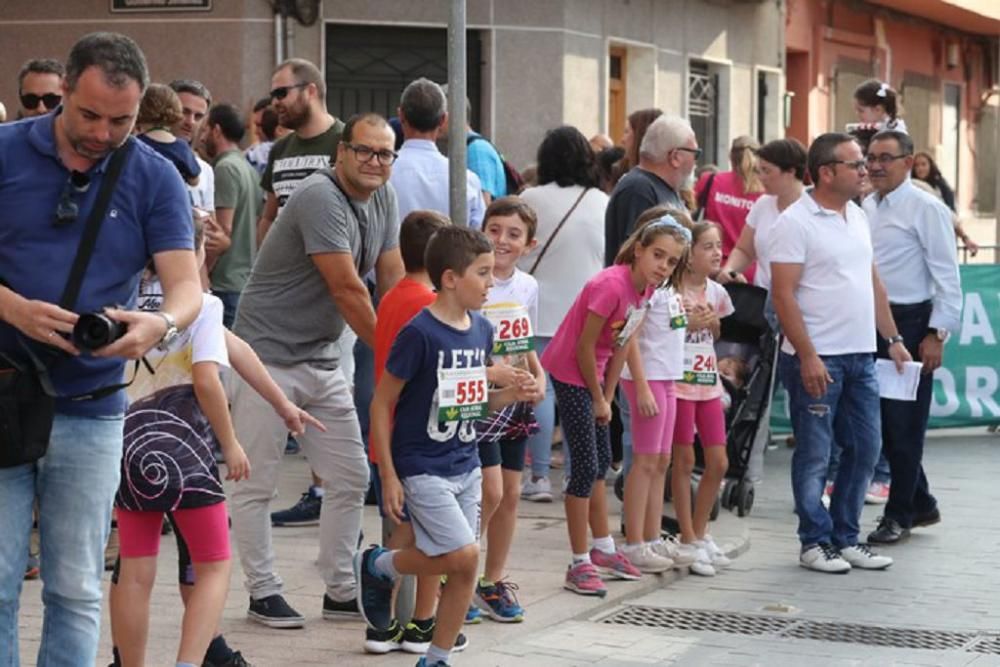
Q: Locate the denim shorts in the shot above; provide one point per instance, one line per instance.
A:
(444, 511)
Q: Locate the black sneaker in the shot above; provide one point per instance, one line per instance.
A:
(235, 660)
(274, 612)
(888, 532)
(303, 513)
(334, 610)
(384, 641)
(417, 638)
(925, 519)
(374, 599)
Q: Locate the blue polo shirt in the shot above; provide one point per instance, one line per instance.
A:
(149, 213)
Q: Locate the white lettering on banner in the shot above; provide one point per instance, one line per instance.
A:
(975, 321)
(951, 402)
(980, 387)
(730, 200)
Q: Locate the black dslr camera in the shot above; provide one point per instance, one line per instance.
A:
(96, 330)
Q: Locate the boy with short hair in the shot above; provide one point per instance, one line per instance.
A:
(397, 307)
(512, 308)
(426, 404)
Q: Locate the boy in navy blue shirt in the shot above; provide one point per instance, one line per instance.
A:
(423, 420)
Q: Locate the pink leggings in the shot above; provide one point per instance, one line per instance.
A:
(204, 529)
(709, 417)
(652, 435)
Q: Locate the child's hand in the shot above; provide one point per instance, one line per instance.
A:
(296, 418)
(602, 411)
(699, 316)
(392, 498)
(527, 388)
(502, 375)
(647, 404)
(237, 463)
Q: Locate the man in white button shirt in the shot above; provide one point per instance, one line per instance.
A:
(914, 247)
(420, 173)
(830, 300)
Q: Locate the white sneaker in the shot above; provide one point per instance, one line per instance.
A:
(824, 558)
(863, 558)
(702, 566)
(682, 554)
(718, 557)
(647, 560)
(539, 491)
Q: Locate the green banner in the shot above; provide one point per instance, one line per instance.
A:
(967, 386)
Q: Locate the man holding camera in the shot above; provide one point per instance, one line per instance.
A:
(53, 171)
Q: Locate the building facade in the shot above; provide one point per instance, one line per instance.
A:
(940, 55)
(532, 65)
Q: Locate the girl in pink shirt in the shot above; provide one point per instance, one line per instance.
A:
(585, 359)
(699, 399)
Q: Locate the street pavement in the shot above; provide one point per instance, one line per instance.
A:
(944, 579)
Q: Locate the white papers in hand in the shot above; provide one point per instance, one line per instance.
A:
(895, 385)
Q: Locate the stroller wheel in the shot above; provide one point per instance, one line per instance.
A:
(726, 497)
(716, 507)
(620, 485)
(744, 498)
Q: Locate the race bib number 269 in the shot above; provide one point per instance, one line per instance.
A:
(512, 329)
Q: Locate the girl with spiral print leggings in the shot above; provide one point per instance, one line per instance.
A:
(585, 359)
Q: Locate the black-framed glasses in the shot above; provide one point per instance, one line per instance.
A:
(365, 154)
(281, 92)
(68, 210)
(696, 152)
(50, 100)
(856, 165)
(883, 159)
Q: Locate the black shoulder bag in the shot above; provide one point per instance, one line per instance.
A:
(27, 397)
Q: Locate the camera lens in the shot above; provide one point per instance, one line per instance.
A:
(95, 330)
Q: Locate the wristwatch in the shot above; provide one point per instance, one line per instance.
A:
(941, 334)
(171, 333)
(892, 340)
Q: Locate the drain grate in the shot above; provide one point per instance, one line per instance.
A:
(797, 628)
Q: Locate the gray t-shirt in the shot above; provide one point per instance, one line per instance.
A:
(286, 312)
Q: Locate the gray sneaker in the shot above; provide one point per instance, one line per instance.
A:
(863, 558)
(824, 557)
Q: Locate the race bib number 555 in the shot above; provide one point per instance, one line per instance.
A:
(462, 394)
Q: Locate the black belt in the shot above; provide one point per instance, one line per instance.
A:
(907, 308)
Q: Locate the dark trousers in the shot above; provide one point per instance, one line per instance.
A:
(904, 424)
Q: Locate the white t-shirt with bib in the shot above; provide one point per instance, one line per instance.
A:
(661, 340)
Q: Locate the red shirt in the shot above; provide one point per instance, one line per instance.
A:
(728, 205)
(399, 305)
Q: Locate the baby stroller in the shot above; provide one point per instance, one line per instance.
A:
(747, 354)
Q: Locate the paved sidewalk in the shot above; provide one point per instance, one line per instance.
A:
(537, 565)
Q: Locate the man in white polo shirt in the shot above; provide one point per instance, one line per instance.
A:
(914, 247)
(830, 300)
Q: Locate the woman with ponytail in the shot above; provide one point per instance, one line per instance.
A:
(725, 197)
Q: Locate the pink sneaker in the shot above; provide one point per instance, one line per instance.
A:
(616, 565)
(583, 578)
(877, 494)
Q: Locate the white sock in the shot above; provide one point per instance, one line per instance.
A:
(605, 544)
(581, 558)
(317, 490)
(632, 548)
(653, 543)
(385, 566)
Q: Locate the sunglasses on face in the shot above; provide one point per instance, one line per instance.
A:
(281, 92)
(68, 210)
(30, 100)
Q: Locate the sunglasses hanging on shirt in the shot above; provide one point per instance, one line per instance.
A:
(68, 210)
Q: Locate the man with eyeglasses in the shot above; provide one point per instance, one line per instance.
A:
(61, 162)
(39, 86)
(831, 303)
(305, 288)
(914, 246)
(420, 177)
(298, 94)
(667, 160)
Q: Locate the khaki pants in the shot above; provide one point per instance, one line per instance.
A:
(337, 457)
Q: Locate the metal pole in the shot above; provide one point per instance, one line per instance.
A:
(279, 39)
(456, 114)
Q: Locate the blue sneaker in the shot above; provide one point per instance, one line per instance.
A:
(473, 616)
(423, 663)
(374, 590)
(303, 513)
(499, 602)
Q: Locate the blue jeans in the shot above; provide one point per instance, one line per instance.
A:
(540, 444)
(904, 424)
(849, 414)
(75, 484)
(880, 474)
(625, 410)
(230, 302)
